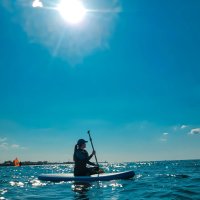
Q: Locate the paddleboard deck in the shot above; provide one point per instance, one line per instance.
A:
(96, 177)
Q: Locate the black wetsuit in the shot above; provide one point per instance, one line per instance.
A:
(81, 159)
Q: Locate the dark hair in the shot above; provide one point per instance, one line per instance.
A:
(75, 149)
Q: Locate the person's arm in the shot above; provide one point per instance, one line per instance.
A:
(90, 163)
(84, 157)
(93, 153)
(89, 157)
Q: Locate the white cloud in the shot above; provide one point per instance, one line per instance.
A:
(195, 131)
(4, 145)
(37, 3)
(184, 126)
(165, 133)
(180, 127)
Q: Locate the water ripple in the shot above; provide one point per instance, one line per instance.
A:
(153, 180)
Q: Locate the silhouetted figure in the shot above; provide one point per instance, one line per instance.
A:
(82, 158)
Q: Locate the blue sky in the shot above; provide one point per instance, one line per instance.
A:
(130, 74)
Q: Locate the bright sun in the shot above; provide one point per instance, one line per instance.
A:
(72, 11)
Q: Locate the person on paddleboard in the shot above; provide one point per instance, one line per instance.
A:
(81, 159)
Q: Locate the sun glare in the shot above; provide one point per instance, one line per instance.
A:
(72, 11)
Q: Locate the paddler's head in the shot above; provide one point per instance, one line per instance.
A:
(81, 143)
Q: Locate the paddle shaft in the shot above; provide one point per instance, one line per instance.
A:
(93, 147)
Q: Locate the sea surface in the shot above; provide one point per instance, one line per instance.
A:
(153, 180)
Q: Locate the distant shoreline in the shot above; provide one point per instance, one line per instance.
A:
(29, 163)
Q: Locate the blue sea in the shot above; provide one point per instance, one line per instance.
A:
(153, 180)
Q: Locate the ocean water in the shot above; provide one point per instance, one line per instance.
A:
(153, 180)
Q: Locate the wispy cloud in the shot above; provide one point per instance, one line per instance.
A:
(195, 131)
(16, 146)
(3, 139)
(4, 144)
(164, 137)
(184, 126)
(180, 127)
(164, 134)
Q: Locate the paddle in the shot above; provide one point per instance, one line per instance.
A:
(100, 170)
(93, 148)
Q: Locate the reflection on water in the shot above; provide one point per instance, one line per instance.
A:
(81, 190)
(94, 190)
